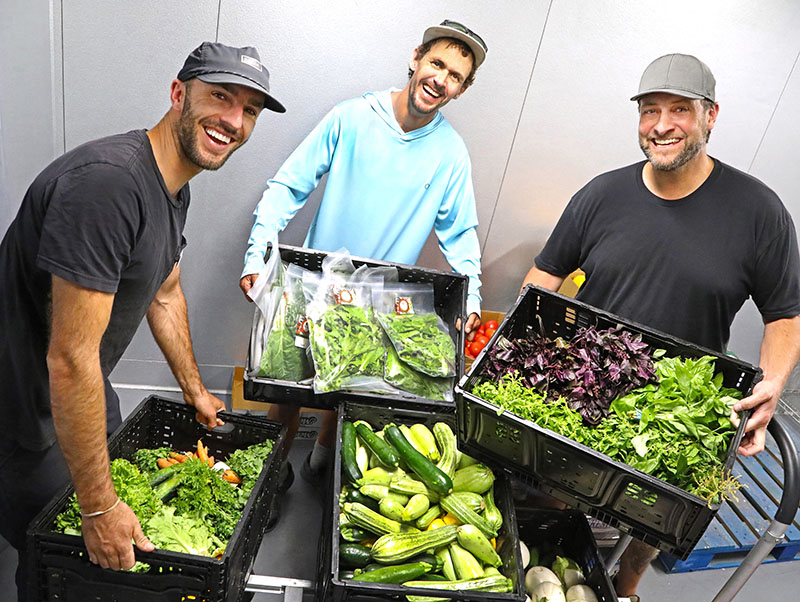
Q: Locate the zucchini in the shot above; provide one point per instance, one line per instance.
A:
(416, 507)
(466, 515)
(426, 442)
(353, 555)
(370, 520)
(491, 514)
(431, 559)
(166, 489)
(410, 486)
(379, 492)
(163, 474)
(448, 570)
(354, 495)
(434, 577)
(362, 457)
(391, 509)
(354, 534)
(464, 460)
(409, 437)
(465, 564)
(393, 547)
(427, 518)
(378, 476)
(433, 478)
(447, 444)
(471, 539)
(397, 573)
(473, 500)
(349, 464)
(476, 478)
(382, 450)
(494, 583)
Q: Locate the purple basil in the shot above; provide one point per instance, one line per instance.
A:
(589, 371)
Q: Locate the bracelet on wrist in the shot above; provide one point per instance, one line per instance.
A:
(100, 512)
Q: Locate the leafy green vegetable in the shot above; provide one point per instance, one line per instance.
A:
(145, 458)
(678, 430)
(421, 343)
(247, 464)
(132, 488)
(347, 346)
(400, 375)
(188, 534)
(282, 358)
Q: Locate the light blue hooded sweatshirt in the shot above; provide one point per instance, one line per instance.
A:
(386, 189)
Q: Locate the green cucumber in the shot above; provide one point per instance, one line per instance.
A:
(397, 573)
(349, 464)
(425, 469)
(376, 445)
(353, 555)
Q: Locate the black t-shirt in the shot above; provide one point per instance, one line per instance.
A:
(99, 216)
(685, 266)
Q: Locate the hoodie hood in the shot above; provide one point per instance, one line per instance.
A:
(381, 103)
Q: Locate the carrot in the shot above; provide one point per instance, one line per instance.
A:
(162, 462)
(201, 451)
(231, 477)
(172, 461)
(211, 461)
(179, 457)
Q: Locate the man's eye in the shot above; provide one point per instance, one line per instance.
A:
(218, 95)
(251, 111)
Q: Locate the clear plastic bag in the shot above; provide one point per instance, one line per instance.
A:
(404, 378)
(266, 294)
(421, 338)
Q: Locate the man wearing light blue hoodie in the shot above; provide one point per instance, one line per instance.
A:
(396, 169)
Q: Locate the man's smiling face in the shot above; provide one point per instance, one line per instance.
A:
(438, 78)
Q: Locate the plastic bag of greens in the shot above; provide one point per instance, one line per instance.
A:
(421, 338)
(266, 295)
(285, 354)
(347, 343)
(401, 376)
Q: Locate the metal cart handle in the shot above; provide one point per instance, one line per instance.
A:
(783, 517)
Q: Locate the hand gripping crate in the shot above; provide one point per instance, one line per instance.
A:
(330, 588)
(567, 533)
(647, 508)
(59, 565)
(450, 299)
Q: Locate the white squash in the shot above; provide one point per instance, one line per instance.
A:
(537, 575)
(568, 571)
(548, 591)
(581, 593)
(525, 553)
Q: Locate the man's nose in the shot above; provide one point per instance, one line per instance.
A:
(234, 115)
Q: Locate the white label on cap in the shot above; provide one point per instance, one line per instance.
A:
(249, 60)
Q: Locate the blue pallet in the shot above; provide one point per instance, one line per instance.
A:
(738, 525)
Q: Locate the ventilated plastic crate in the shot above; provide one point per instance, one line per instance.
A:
(59, 564)
(330, 588)
(567, 533)
(648, 508)
(450, 299)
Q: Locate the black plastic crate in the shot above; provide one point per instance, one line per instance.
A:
(647, 508)
(450, 299)
(332, 589)
(567, 531)
(60, 568)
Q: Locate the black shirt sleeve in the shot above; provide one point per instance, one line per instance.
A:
(562, 251)
(90, 227)
(777, 275)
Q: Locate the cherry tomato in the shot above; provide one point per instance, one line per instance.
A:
(491, 324)
(489, 332)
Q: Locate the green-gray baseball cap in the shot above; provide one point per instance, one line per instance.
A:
(680, 74)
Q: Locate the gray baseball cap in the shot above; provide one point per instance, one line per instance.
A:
(454, 29)
(680, 74)
(216, 63)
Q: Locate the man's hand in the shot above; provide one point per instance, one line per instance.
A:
(473, 323)
(108, 538)
(246, 283)
(764, 399)
(207, 406)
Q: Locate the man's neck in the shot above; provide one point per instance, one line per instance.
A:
(173, 165)
(681, 182)
(406, 118)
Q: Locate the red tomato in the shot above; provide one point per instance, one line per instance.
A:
(481, 330)
(482, 339)
(489, 332)
(475, 348)
(491, 324)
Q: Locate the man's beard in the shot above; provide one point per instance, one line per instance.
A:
(687, 154)
(412, 105)
(186, 130)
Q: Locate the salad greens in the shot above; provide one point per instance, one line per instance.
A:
(283, 359)
(400, 375)
(421, 343)
(678, 430)
(145, 458)
(247, 464)
(188, 534)
(347, 346)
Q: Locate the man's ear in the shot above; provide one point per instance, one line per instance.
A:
(712, 116)
(177, 94)
(413, 62)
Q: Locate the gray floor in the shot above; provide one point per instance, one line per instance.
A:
(290, 551)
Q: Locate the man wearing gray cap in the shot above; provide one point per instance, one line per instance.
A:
(680, 241)
(396, 170)
(94, 248)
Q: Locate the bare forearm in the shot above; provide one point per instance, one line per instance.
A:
(780, 350)
(541, 278)
(77, 399)
(169, 323)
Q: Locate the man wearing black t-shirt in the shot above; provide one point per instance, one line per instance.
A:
(93, 249)
(680, 241)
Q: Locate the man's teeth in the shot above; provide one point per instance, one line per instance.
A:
(430, 91)
(217, 136)
(667, 141)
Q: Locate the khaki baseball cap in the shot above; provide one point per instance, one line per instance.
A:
(680, 74)
(454, 29)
